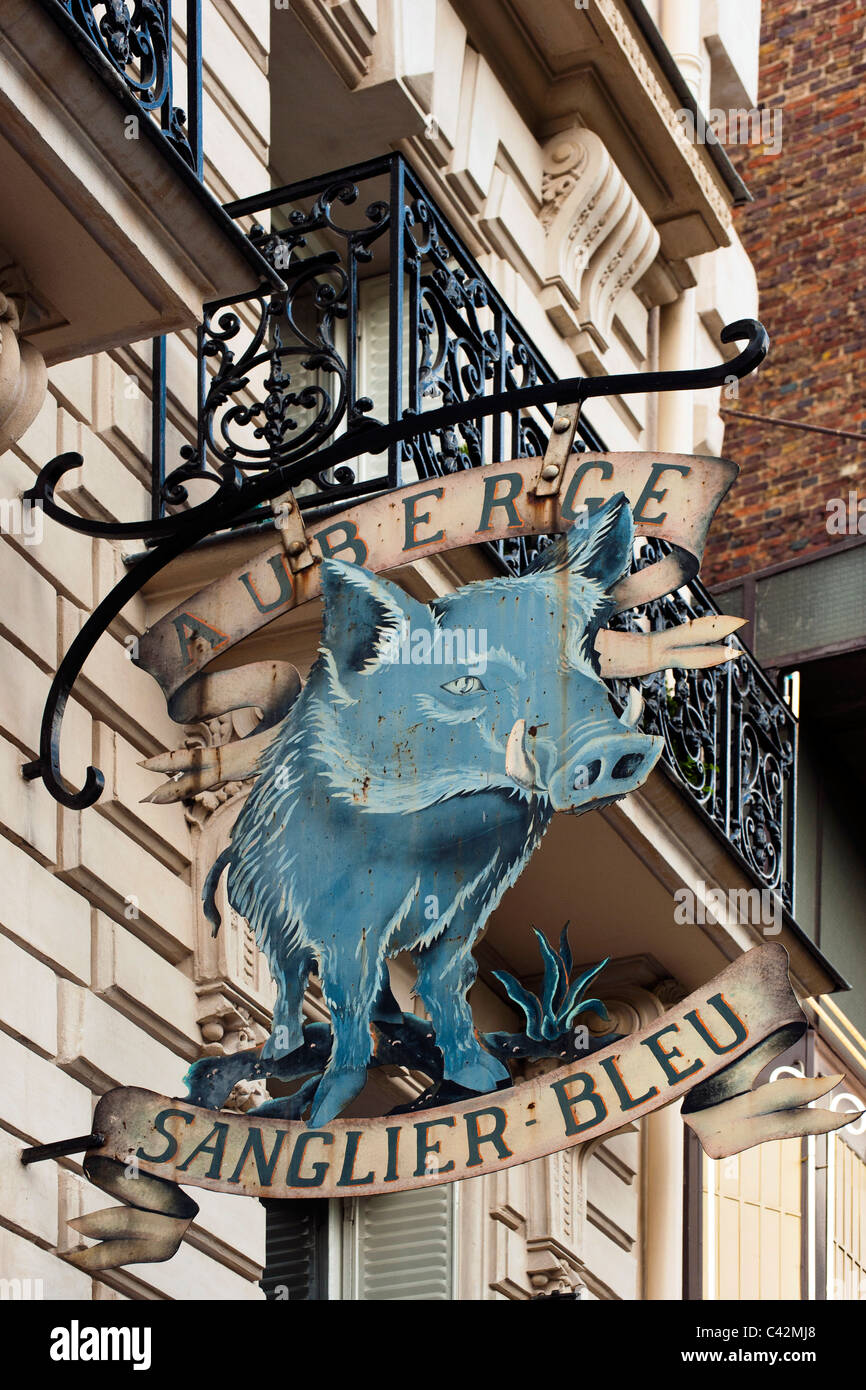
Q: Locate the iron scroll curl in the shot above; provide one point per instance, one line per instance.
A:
(237, 494)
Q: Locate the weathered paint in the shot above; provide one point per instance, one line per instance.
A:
(413, 779)
(424, 760)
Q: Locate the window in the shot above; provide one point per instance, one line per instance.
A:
(846, 1201)
(401, 1245)
(752, 1223)
(296, 1250)
(368, 1249)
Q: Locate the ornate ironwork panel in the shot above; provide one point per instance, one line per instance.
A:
(386, 315)
(729, 739)
(135, 37)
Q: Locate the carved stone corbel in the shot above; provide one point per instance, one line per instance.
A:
(600, 241)
(23, 376)
(554, 1278)
(226, 1027)
(552, 1230)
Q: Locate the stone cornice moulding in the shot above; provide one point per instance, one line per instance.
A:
(344, 31)
(373, 42)
(600, 241)
(691, 153)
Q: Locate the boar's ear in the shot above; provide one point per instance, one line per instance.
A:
(600, 550)
(361, 610)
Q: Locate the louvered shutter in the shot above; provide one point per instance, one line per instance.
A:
(296, 1251)
(374, 361)
(373, 343)
(404, 1245)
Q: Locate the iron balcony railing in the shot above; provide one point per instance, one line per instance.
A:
(730, 740)
(354, 343)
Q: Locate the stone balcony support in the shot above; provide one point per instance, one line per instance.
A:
(23, 377)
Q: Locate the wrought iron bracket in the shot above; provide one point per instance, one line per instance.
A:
(290, 525)
(236, 495)
(562, 433)
(38, 1153)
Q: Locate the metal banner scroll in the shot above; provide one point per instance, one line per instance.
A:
(709, 1049)
(673, 496)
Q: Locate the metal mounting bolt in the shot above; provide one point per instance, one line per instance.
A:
(549, 472)
(561, 424)
(296, 548)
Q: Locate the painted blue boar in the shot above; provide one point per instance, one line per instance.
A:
(411, 782)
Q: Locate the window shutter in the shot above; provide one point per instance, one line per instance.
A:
(373, 343)
(404, 1245)
(374, 362)
(296, 1250)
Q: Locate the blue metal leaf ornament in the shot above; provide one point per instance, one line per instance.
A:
(552, 1015)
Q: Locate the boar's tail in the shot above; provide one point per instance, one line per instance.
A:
(208, 893)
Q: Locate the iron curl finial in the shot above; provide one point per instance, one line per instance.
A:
(41, 494)
(208, 517)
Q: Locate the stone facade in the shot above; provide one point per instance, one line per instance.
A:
(108, 972)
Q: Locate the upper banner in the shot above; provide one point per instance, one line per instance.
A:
(673, 496)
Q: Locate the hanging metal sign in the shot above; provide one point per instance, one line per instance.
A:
(424, 758)
(396, 796)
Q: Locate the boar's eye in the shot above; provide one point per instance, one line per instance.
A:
(464, 685)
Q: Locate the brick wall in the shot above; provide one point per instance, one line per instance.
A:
(804, 234)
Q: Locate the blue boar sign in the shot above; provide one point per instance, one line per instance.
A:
(395, 797)
(431, 746)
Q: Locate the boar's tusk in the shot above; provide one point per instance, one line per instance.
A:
(197, 769)
(633, 709)
(517, 765)
(624, 654)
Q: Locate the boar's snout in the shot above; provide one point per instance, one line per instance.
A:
(588, 772)
(604, 768)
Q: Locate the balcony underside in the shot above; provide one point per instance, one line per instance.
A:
(115, 236)
(614, 876)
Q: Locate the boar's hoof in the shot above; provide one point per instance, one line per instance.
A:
(482, 1074)
(335, 1090)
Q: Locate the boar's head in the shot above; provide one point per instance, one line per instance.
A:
(493, 688)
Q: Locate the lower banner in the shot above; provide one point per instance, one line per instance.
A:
(708, 1051)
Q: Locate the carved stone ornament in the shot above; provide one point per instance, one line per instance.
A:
(600, 240)
(693, 156)
(558, 1280)
(23, 377)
